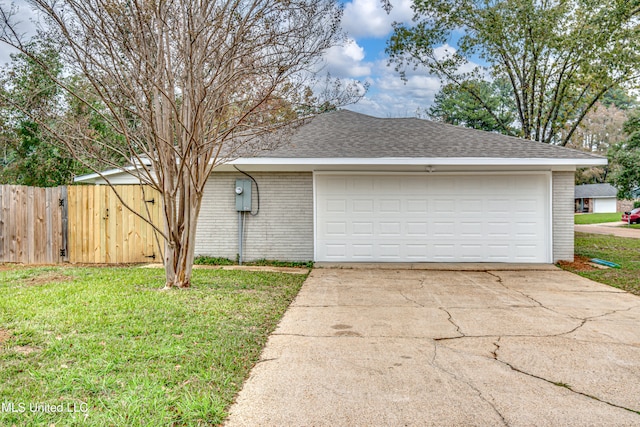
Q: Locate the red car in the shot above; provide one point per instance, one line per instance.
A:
(632, 217)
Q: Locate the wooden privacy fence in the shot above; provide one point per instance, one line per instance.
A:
(79, 224)
(31, 224)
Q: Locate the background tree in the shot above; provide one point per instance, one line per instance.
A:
(619, 98)
(559, 57)
(601, 129)
(624, 159)
(458, 105)
(29, 157)
(188, 84)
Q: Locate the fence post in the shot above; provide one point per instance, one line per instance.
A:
(64, 208)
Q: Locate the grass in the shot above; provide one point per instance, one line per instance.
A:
(597, 218)
(109, 343)
(623, 251)
(207, 260)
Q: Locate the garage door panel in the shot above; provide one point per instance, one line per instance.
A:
(471, 229)
(443, 229)
(362, 250)
(442, 252)
(336, 250)
(441, 186)
(390, 229)
(361, 186)
(499, 252)
(409, 187)
(337, 229)
(498, 229)
(526, 229)
(417, 251)
(417, 206)
(470, 207)
(402, 218)
(526, 252)
(417, 229)
(389, 251)
(499, 206)
(336, 206)
(525, 206)
(362, 229)
(471, 252)
(444, 206)
(390, 206)
(363, 206)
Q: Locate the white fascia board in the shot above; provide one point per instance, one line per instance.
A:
(418, 161)
(92, 178)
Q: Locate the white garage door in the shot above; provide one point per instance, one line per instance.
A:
(432, 218)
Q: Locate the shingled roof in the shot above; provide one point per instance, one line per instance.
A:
(595, 191)
(346, 134)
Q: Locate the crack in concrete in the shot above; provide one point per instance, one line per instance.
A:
(494, 353)
(559, 384)
(587, 319)
(495, 356)
(501, 282)
(420, 286)
(583, 320)
(468, 384)
(450, 319)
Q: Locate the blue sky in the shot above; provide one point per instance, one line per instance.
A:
(361, 58)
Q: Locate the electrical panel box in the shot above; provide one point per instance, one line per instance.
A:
(243, 195)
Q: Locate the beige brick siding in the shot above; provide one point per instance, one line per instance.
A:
(563, 207)
(283, 230)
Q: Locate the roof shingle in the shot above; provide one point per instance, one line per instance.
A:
(346, 134)
(595, 191)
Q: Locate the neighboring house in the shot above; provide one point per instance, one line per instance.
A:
(596, 198)
(354, 188)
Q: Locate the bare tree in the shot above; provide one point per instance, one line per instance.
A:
(186, 85)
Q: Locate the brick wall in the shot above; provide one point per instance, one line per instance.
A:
(563, 207)
(283, 229)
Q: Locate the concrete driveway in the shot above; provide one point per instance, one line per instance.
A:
(383, 347)
(613, 228)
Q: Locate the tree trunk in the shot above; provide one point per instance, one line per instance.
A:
(180, 246)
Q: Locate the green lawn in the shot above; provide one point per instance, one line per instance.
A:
(597, 218)
(107, 343)
(623, 251)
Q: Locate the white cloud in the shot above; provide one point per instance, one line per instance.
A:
(367, 18)
(446, 50)
(390, 96)
(347, 61)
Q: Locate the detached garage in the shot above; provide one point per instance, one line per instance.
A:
(347, 187)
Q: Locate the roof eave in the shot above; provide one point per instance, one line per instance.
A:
(420, 161)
